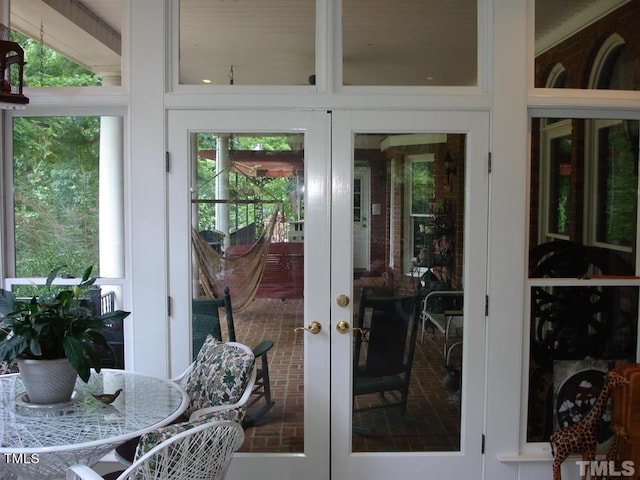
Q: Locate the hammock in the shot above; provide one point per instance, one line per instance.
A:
(241, 273)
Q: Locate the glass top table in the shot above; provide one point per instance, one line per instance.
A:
(42, 441)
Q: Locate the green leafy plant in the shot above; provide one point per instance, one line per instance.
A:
(55, 325)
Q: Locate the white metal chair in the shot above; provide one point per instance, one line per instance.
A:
(443, 309)
(203, 452)
(219, 383)
(6, 369)
(221, 378)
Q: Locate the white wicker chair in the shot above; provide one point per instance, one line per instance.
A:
(7, 368)
(6, 474)
(203, 452)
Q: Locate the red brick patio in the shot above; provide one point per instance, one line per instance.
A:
(433, 423)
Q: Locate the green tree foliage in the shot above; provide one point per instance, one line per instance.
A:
(47, 68)
(618, 185)
(268, 193)
(55, 193)
(55, 170)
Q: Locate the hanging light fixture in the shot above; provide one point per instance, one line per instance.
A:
(450, 167)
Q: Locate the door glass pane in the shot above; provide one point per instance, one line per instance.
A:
(409, 43)
(248, 235)
(585, 45)
(252, 42)
(583, 288)
(409, 303)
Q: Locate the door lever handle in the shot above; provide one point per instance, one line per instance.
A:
(343, 327)
(314, 327)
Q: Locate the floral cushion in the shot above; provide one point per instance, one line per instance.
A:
(152, 439)
(219, 375)
(8, 367)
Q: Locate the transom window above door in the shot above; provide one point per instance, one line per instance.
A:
(269, 42)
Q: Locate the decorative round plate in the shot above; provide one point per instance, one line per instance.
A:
(22, 399)
(576, 397)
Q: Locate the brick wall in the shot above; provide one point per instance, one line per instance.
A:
(578, 53)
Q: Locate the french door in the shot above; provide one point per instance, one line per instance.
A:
(237, 176)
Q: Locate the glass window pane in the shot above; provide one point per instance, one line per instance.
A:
(404, 43)
(617, 71)
(68, 195)
(422, 186)
(54, 55)
(584, 179)
(617, 183)
(411, 247)
(560, 183)
(252, 42)
(590, 39)
(583, 204)
(577, 335)
(248, 235)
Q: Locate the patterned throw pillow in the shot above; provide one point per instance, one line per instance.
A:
(8, 367)
(219, 375)
(152, 439)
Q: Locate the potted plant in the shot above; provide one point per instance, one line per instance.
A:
(57, 330)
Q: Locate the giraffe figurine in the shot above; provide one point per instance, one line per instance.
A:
(619, 434)
(580, 438)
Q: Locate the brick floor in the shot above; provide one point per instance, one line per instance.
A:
(432, 422)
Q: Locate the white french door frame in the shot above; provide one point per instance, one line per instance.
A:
(329, 173)
(313, 463)
(467, 463)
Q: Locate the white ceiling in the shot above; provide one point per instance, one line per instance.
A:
(274, 42)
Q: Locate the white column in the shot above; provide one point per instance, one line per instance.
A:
(4, 14)
(111, 192)
(111, 198)
(222, 188)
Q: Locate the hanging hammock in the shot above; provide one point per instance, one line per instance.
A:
(242, 273)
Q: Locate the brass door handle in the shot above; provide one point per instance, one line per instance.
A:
(343, 327)
(343, 300)
(314, 327)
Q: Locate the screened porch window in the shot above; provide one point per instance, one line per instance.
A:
(68, 201)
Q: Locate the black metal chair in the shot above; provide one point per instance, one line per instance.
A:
(206, 320)
(113, 331)
(384, 345)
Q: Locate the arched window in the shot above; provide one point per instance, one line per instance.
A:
(558, 77)
(613, 66)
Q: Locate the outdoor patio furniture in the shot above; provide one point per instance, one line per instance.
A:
(219, 381)
(206, 320)
(202, 451)
(384, 343)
